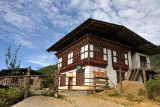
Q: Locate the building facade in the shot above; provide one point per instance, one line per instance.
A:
(101, 48)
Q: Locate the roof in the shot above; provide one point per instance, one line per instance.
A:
(19, 71)
(113, 32)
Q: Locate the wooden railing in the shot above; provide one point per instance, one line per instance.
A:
(98, 82)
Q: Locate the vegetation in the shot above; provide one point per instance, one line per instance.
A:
(141, 92)
(131, 97)
(10, 97)
(11, 59)
(154, 88)
(48, 69)
(114, 94)
(47, 82)
(155, 60)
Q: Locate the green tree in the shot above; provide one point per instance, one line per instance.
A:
(11, 59)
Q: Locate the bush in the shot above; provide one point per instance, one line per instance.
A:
(10, 96)
(46, 83)
(154, 87)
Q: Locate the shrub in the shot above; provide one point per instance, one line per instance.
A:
(46, 83)
(154, 87)
(10, 96)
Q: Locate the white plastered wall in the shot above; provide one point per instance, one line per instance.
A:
(136, 60)
(130, 63)
(140, 79)
(74, 79)
(111, 73)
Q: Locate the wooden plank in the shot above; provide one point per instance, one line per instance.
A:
(101, 82)
(101, 78)
(100, 86)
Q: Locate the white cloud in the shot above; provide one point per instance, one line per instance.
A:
(18, 20)
(41, 23)
(42, 59)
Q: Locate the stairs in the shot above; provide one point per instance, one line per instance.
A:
(134, 74)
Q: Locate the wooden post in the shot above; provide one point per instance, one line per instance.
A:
(145, 83)
(120, 80)
(94, 84)
(56, 84)
(27, 83)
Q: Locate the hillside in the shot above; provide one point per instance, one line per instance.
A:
(155, 60)
(48, 69)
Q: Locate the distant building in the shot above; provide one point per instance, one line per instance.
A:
(101, 48)
(35, 82)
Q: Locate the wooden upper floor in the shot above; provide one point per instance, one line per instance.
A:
(92, 50)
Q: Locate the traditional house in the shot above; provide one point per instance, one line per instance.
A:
(101, 48)
(35, 82)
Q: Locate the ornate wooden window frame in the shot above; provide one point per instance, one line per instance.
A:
(126, 59)
(114, 55)
(63, 80)
(64, 60)
(77, 55)
(80, 77)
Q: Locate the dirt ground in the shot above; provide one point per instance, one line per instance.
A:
(82, 101)
(101, 99)
(68, 101)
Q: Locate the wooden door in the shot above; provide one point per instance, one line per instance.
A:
(70, 81)
(143, 61)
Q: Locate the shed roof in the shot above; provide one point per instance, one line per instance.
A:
(113, 32)
(19, 71)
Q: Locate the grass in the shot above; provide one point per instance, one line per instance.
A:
(131, 97)
(114, 94)
(10, 96)
(141, 92)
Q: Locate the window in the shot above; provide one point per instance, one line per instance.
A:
(114, 56)
(59, 62)
(84, 52)
(64, 61)
(98, 53)
(120, 58)
(91, 51)
(105, 54)
(126, 59)
(80, 77)
(70, 58)
(77, 55)
(63, 80)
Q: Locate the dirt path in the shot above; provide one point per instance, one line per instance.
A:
(67, 101)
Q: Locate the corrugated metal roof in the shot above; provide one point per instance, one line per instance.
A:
(114, 32)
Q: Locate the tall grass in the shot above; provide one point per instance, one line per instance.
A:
(11, 96)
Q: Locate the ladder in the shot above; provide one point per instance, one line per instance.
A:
(134, 75)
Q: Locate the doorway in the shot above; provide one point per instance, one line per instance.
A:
(70, 82)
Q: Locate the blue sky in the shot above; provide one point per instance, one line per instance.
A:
(38, 24)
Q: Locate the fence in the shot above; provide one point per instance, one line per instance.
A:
(25, 81)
